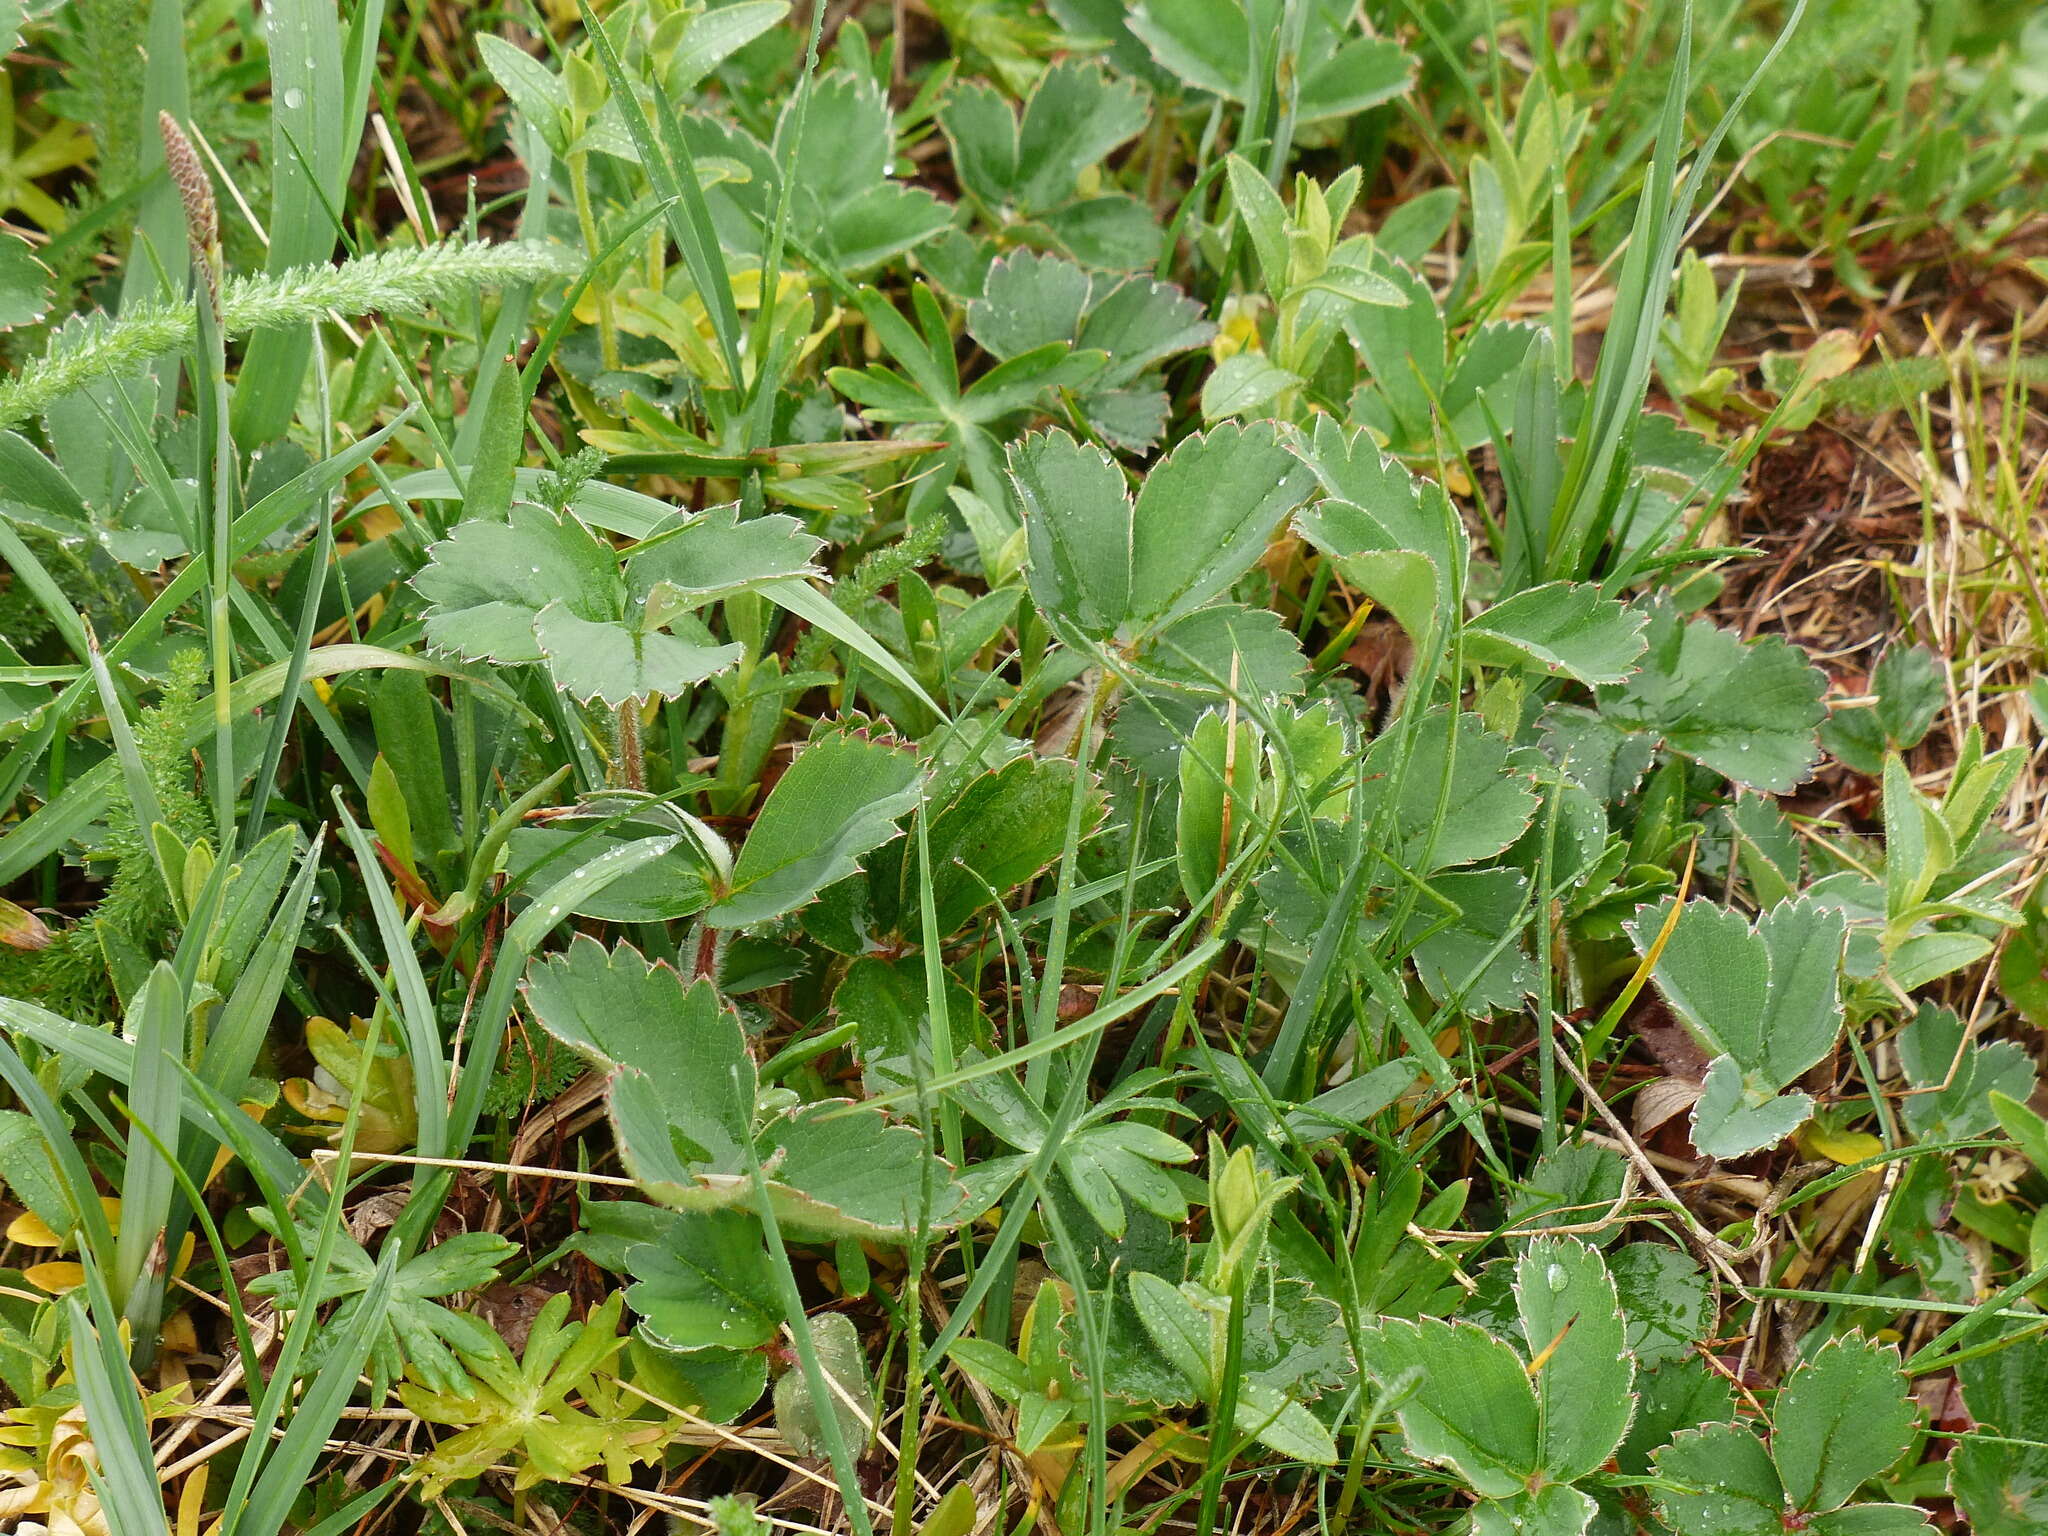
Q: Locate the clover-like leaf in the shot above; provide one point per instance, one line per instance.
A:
(1956, 1076)
(681, 1096)
(1213, 45)
(1104, 564)
(1030, 165)
(616, 1009)
(1394, 536)
(1747, 711)
(717, 553)
(537, 587)
(1031, 300)
(1766, 1000)
(836, 142)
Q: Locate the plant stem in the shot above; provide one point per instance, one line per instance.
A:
(586, 222)
(632, 763)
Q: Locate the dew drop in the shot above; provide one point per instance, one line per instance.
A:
(1556, 1276)
(294, 99)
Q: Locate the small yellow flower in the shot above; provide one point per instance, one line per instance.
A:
(1239, 330)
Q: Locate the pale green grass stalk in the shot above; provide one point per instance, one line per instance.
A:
(99, 346)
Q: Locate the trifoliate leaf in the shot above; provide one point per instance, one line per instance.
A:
(1764, 999)
(614, 663)
(1210, 45)
(1956, 1076)
(536, 587)
(1462, 956)
(1030, 165)
(717, 553)
(1748, 711)
(1187, 671)
(836, 141)
(1104, 564)
(1395, 537)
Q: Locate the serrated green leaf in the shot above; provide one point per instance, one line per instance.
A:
(1748, 711)
(1474, 1411)
(717, 553)
(1209, 44)
(1568, 1307)
(1733, 1119)
(621, 1011)
(1456, 956)
(1766, 999)
(1489, 801)
(1675, 1395)
(1956, 1076)
(709, 1283)
(1732, 1488)
(1840, 1419)
(616, 663)
(1564, 627)
(1106, 564)
(487, 580)
(2002, 1488)
(838, 800)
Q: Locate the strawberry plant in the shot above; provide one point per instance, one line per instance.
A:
(1220, 765)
